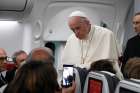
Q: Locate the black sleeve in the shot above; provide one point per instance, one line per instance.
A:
(126, 54)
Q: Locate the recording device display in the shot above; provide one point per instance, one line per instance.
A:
(67, 75)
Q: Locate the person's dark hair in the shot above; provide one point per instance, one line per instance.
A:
(51, 46)
(102, 65)
(14, 56)
(138, 13)
(34, 77)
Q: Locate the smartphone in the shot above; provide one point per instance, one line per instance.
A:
(68, 75)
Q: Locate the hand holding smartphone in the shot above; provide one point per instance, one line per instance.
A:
(68, 75)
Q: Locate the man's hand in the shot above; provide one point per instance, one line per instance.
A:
(69, 89)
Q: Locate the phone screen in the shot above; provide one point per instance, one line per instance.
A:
(67, 75)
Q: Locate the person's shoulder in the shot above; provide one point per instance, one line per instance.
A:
(11, 71)
(106, 30)
(132, 39)
(103, 30)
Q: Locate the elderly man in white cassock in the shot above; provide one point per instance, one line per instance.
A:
(89, 43)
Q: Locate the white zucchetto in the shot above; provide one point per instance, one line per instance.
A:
(78, 13)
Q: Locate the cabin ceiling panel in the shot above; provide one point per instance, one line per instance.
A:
(56, 27)
(15, 9)
(12, 5)
(87, 1)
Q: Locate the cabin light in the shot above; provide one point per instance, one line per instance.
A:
(2, 23)
(8, 25)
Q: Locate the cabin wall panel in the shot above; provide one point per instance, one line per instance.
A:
(11, 36)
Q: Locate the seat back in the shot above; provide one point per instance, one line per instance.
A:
(77, 81)
(100, 82)
(128, 86)
(80, 76)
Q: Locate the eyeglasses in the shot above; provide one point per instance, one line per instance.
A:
(3, 58)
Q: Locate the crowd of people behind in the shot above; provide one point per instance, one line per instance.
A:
(35, 72)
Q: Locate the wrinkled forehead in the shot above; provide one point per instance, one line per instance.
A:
(74, 20)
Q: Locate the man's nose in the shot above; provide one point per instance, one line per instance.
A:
(134, 25)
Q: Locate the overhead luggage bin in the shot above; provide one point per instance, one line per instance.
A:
(15, 9)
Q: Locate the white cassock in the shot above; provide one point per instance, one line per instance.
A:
(100, 44)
